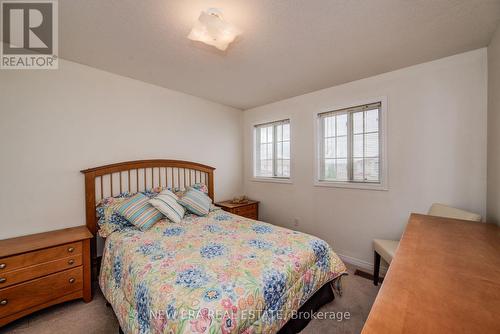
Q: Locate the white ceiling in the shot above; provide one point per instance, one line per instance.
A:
(288, 47)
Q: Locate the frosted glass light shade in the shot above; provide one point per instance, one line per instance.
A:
(211, 29)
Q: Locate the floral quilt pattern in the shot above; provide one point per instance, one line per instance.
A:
(216, 274)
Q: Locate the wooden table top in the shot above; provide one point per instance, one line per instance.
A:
(230, 204)
(37, 241)
(444, 278)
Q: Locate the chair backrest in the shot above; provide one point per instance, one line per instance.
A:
(442, 210)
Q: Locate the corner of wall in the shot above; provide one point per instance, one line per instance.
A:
(493, 131)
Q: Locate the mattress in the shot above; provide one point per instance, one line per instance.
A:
(216, 274)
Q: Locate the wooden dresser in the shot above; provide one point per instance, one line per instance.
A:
(249, 209)
(444, 278)
(40, 270)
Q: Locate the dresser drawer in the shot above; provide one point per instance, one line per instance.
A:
(250, 216)
(36, 257)
(246, 210)
(25, 295)
(39, 270)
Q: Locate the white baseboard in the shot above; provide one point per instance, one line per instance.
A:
(361, 264)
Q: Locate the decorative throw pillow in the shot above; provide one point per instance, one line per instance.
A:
(166, 203)
(153, 192)
(108, 220)
(177, 191)
(196, 202)
(201, 187)
(139, 212)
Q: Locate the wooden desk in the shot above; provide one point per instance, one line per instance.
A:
(444, 278)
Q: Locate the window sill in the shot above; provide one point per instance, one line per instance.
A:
(352, 185)
(271, 180)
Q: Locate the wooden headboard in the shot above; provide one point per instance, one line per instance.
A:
(135, 176)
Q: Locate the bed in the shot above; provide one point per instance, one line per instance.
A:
(219, 273)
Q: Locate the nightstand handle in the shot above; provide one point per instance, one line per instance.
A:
(2, 265)
(71, 262)
(3, 280)
(3, 302)
(71, 249)
(72, 280)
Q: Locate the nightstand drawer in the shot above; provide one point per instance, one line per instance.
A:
(24, 274)
(8, 264)
(246, 210)
(25, 295)
(251, 216)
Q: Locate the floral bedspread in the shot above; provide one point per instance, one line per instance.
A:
(217, 274)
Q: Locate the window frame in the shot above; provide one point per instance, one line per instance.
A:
(318, 145)
(275, 179)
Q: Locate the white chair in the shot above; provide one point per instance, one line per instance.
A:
(442, 210)
(386, 249)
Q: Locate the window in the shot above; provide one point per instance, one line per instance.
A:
(272, 150)
(350, 145)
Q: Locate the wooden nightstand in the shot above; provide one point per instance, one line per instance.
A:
(249, 209)
(40, 270)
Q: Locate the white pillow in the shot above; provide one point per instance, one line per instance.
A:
(166, 203)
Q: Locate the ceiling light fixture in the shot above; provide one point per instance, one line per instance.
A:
(211, 29)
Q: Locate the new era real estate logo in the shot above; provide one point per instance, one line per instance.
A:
(29, 35)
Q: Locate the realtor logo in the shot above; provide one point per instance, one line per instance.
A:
(29, 35)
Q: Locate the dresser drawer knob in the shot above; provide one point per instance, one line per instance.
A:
(3, 302)
(72, 280)
(3, 280)
(2, 265)
(71, 262)
(70, 249)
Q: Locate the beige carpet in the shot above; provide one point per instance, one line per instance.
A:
(95, 317)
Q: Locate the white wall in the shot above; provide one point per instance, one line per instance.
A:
(436, 150)
(55, 123)
(494, 129)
